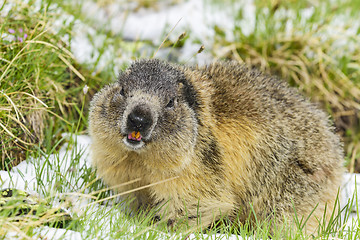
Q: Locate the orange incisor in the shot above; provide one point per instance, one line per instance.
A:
(137, 135)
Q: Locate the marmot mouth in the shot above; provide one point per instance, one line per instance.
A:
(134, 140)
(135, 136)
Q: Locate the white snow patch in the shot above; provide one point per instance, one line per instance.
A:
(56, 233)
(350, 194)
(25, 176)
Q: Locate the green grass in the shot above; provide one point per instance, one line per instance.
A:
(42, 97)
(41, 82)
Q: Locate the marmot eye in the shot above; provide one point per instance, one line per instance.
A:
(171, 103)
(122, 92)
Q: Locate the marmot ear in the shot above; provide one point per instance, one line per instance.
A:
(123, 74)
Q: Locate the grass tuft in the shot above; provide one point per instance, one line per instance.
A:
(40, 82)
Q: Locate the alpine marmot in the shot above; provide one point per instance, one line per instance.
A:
(214, 141)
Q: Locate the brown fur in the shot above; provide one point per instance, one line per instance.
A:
(234, 138)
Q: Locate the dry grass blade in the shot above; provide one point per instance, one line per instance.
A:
(12, 227)
(131, 191)
(30, 95)
(17, 112)
(114, 187)
(23, 127)
(72, 67)
(11, 63)
(13, 136)
(167, 36)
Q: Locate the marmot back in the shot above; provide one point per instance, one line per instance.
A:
(214, 141)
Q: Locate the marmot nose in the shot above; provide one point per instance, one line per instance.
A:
(139, 120)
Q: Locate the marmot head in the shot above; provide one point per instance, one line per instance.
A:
(152, 105)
